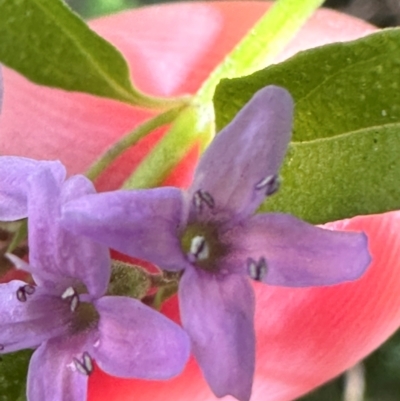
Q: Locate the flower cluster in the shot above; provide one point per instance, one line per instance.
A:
(65, 312)
(209, 234)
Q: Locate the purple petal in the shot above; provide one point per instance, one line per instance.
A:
(52, 374)
(14, 177)
(298, 254)
(76, 187)
(57, 252)
(218, 314)
(27, 323)
(144, 224)
(138, 342)
(244, 154)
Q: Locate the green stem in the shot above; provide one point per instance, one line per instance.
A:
(193, 125)
(262, 44)
(258, 48)
(131, 139)
(139, 99)
(165, 278)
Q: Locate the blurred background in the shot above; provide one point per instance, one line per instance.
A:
(377, 378)
(382, 13)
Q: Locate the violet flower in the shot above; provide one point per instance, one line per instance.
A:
(67, 316)
(211, 233)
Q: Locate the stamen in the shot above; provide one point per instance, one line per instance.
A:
(257, 270)
(199, 248)
(88, 363)
(86, 366)
(21, 295)
(25, 290)
(1, 347)
(69, 292)
(270, 184)
(74, 302)
(80, 367)
(201, 197)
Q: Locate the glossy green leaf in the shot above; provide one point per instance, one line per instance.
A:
(50, 45)
(344, 159)
(13, 373)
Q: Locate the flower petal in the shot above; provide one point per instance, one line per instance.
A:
(218, 314)
(298, 254)
(26, 324)
(14, 175)
(136, 341)
(52, 374)
(246, 152)
(143, 224)
(57, 252)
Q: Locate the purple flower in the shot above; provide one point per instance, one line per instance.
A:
(211, 233)
(67, 316)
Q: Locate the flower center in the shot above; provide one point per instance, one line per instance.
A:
(201, 243)
(85, 315)
(85, 318)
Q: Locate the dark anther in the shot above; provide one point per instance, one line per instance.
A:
(270, 184)
(85, 366)
(23, 291)
(1, 347)
(29, 289)
(21, 296)
(257, 270)
(201, 197)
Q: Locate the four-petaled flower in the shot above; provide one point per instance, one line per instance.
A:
(67, 315)
(210, 232)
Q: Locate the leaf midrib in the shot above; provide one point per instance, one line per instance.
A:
(347, 134)
(111, 82)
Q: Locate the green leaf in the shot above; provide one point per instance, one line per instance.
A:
(50, 45)
(13, 373)
(344, 158)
